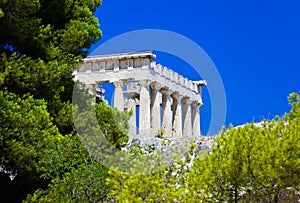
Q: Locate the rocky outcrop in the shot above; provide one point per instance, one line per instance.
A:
(166, 145)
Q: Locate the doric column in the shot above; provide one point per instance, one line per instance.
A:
(144, 117)
(118, 95)
(187, 117)
(166, 113)
(155, 108)
(132, 121)
(177, 116)
(196, 119)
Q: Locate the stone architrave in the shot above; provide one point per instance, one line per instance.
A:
(177, 116)
(187, 117)
(118, 94)
(144, 115)
(166, 113)
(196, 119)
(155, 108)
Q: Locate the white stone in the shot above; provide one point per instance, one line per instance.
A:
(132, 120)
(118, 95)
(139, 68)
(187, 117)
(177, 115)
(196, 119)
(155, 108)
(166, 113)
(144, 116)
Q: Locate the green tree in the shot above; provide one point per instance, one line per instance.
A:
(40, 44)
(48, 29)
(153, 179)
(251, 163)
(254, 162)
(114, 124)
(73, 164)
(26, 131)
(86, 183)
(98, 122)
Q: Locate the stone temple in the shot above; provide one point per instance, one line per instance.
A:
(166, 100)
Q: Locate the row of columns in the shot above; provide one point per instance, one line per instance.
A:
(180, 115)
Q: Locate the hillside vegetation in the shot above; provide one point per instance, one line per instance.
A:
(42, 155)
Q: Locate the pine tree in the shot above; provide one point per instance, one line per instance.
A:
(40, 44)
(254, 162)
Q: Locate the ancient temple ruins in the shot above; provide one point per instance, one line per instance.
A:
(166, 100)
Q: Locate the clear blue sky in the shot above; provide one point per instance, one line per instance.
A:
(255, 46)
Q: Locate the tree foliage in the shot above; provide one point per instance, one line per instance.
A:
(77, 174)
(86, 183)
(114, 124)
(251, 163)
(40, 44)
(153, 179)
(254, 162)
(48, 29)
(26, 131)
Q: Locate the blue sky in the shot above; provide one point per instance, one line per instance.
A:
(255, 45)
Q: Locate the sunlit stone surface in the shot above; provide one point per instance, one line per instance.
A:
(166, 100)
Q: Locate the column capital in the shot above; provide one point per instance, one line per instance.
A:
(119, 83)
(166, 92)
(196, 104)
(177, 96)
(186, 100)
(155, 86)
(144, 83)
